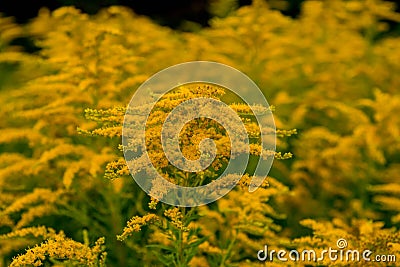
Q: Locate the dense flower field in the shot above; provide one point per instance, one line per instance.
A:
(66, 195)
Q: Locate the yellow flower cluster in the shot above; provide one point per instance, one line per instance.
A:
(135, 224)
(176, 216)
(116, 169)
(190, 136)
(40, 231)
(62, 248)
(192, 133)
(56, 247)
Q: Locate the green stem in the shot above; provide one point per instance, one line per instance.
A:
(181, 257)
(115, 222)
(229, 249)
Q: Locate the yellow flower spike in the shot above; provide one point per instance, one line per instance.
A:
(135, 224)
(39, 231)
(63, 248)
(176, 217)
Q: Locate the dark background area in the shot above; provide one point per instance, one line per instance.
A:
(169, 13)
